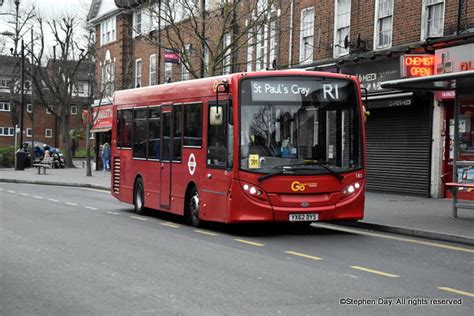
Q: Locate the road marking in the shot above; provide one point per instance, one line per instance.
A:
(11, 191)
(1, 189)
(53, 200)
(69, 203)
(456, 291)
(91, 208)
(139, 218)
(205, 232)
(96, 190)
(414, 241)
(375, 272)
(170, 225)
(113, 213)
(299, 254)
(37, 197)
(250, 242)
(24, 194)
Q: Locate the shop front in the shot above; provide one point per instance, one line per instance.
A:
(452, 60)
(101, 130)
(398, 131)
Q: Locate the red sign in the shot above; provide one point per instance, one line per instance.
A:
(420, 65)
(171, 57)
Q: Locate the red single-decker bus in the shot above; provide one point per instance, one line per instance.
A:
(280, 146)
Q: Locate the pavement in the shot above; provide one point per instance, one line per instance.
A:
(400, 214)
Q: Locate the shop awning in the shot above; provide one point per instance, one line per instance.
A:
(462, 82)
(100, 130)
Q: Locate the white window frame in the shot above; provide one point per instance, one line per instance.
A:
(73, 109)
(4, 83)
(206, 61)
(261, 47)
(250, 50)
(29, 108)
(227, 62)
(108, 31)
(48, 111)
(425, 27)
(168, 73)
(10, 131)
(5, 107)
(377, 25)
(273, 42)
(339, 49)
(152, 70)
(48, 133)
(29, 132)
(138, 18)
(138, 72)
(307, 35)
(185, 75)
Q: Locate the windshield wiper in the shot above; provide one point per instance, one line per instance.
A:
(287, 167)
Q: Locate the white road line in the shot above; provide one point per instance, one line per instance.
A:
(170, 225)
(139, 218)
(205, 232)
(69, 203)
(24, 194)
(113, 213)
(38, 197)
(91, 208)
(53, 200)
(1, 189)
(11, 191)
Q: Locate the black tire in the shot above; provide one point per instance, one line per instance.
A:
(192, 209)
(139, 197)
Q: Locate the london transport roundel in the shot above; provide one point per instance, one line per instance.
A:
(192, 164)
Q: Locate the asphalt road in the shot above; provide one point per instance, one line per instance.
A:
(79, 251)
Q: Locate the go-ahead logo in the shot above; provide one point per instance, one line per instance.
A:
(298, 186)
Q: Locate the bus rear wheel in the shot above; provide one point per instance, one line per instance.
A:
(192, 209)
(138, 198)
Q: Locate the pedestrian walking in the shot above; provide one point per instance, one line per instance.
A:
(106, 157)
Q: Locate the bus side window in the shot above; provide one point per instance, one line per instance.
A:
(177, 132)
(217, 139)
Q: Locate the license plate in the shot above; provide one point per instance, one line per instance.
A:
(310, 217)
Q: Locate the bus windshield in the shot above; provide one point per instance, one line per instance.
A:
(312, 122)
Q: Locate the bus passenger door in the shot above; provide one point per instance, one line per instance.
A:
(217, 178)
(165, 156)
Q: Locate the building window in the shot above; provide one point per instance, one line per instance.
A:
(73, 109)
(29, 132)
(433, 19)
(6, 131)
(48, 111)
(261, 47)
(4, 107)
(227, 69)
(184, 69)
(138, 73)
(107, 30)
(307, 35)
(273, 43)
(107, 79)
(137, 23)
(168, 72)
(206, 61)
(29, 108)
(3, 83)
(250, 50)
(153, 79)
(48, 133)
(342, 26)
(383, 24)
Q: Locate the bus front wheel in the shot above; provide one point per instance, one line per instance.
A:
(138, 199)
(192, 210)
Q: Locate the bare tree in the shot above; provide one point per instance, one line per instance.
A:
(208, 40)
(55, 84)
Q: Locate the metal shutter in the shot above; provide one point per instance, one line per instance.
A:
(399, 149)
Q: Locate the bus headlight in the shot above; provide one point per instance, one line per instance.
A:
(254, 192)
(352, 188)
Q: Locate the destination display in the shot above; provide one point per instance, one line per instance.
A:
(296, 90)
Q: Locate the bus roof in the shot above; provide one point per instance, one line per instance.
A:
(204, 87)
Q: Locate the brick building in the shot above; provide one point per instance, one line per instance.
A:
(407, 133)
(39, 123)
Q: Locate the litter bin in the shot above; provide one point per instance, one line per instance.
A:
(20, 159)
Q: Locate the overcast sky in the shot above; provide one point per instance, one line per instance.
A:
(46, 8)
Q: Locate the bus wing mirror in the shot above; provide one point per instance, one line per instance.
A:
(216, 115)
(366, 104)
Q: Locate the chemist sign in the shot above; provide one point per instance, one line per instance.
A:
(295, 90)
